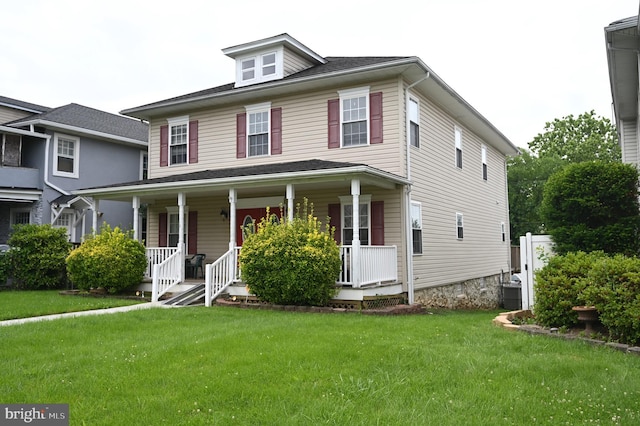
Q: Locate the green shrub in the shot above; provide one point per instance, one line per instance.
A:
(291, 263)
(37, 256)
(559, 287)
(614, 289)
(112, 260)
(4, 268)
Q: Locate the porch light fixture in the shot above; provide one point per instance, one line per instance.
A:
(224, 214)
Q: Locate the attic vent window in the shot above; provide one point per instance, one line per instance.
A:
(260, 67)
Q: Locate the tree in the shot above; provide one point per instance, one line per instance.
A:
(564, 141)
(593, 206)
(579, 139)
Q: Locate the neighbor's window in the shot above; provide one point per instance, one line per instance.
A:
(258, 129)
(414, 123)
(354, 114)
(484, 162)
(459, 226)
(178, 140)
(458, 142)
(67, 149)
(416, 227)
(503, 231)
(20, 216)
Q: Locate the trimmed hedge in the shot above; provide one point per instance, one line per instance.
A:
(291, 263)
(36, 259)
(112, 260)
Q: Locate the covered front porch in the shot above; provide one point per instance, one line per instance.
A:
(206, 213)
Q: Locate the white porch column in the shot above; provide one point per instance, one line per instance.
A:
(136, 213)
(233, 199)
(96, 206)
(181, 203)
(291, 195)
(355, 242)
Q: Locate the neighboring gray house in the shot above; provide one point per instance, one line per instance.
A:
(412, 176)
(622, 39)
(49, 152)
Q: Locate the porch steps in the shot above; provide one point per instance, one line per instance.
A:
(193, 296)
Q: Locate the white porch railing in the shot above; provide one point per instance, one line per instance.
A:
(157, 255)
(166, 274)
(377, 264)
(220, 274)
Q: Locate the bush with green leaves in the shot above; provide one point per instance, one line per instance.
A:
(36, 259)
(560, 285)
(593, 206)
(112, 260)
(291, 262)
(614, 289)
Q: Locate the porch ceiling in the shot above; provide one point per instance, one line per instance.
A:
(259, 179)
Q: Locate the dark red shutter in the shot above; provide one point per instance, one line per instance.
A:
(334, 123)
(193, 142)
(192, 236)
(162, 230)
(334, 221)
(375, 119)
(241, 135)
(276, 131)
(377, 223)
(164, 146)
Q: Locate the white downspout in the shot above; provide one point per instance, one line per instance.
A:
(408, 230)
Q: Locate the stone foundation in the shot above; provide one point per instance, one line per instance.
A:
(477, 293)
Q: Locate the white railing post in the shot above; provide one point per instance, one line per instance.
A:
(207, 285)
(154, 284)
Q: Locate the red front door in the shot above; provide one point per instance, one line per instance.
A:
(245, 217)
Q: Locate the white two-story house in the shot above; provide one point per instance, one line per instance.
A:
(411, 175)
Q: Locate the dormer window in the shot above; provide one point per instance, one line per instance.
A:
(263, 66)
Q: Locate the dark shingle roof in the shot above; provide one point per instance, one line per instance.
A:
(92, 119)
(262, 169)
(27, 106)
(333, 64)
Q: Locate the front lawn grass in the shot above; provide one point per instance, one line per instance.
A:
(222, 365)
(24, 304)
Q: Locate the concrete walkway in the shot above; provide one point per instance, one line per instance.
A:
(119, 309)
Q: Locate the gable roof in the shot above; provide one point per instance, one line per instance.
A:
(21, 105)
(79, 118)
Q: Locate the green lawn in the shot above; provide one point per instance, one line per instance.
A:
(24, 304)
(221, 365)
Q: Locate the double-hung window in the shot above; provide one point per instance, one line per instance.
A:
(173, 227)
(503, 231)
(354, 113)
(414, 122)
(416, 227)
(66, 156)
(269, 64)
(248, 69)
(178, 140)
(485, 172)
(364, 226)
(260, 67)
(458, 142)
(258, 129)
(459, 226)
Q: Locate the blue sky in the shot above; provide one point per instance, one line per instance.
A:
(520, 64)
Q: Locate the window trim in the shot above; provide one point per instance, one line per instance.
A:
(175, 210)
(256, 109)
(459, 226)
(416, 101)
(76, 155)
(174, 122)
(357, 92)
(14, 211)
(347, 200)
(485, 167)
(419, 206)
(258, 67)
(457, 136)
